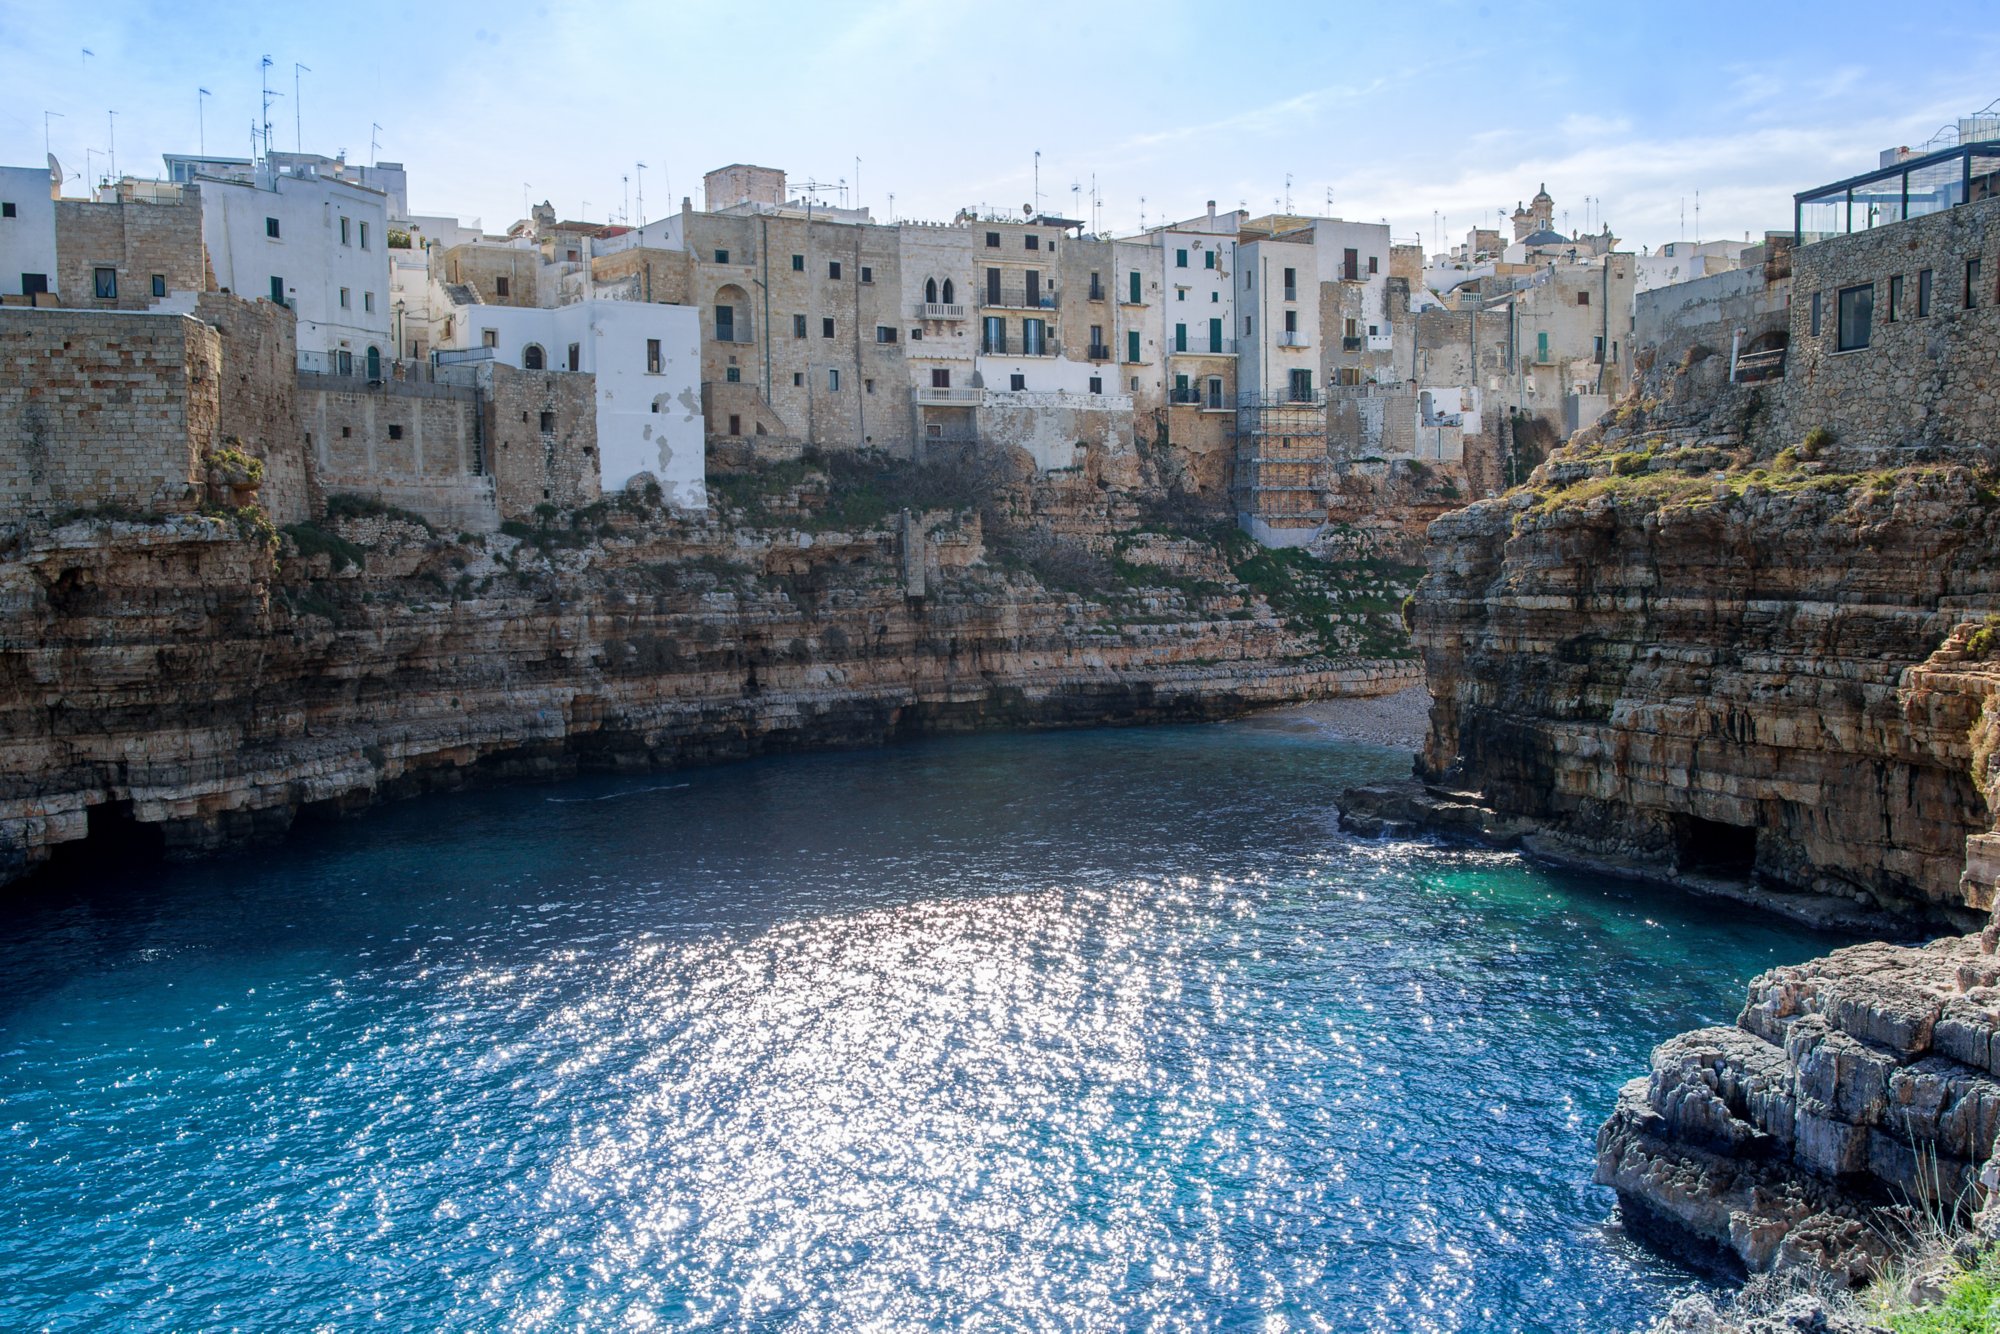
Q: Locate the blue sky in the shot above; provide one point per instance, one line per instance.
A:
(1392, 112)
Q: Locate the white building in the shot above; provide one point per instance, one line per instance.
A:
(647, 360)
(27, 230)
(316, 244)
(1197, 316)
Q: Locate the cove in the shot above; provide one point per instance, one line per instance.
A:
(1108, 1029)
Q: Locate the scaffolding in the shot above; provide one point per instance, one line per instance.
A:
(1282, 466)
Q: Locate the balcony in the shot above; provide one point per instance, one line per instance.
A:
(1291, 293)
(1017, 298)
(1294, 338)
(1350, 343)
(738, 334)
(948, 397)
(1208, 347)
(1008, 348)
(939, 310)
(1099, 352)
(1096, 292)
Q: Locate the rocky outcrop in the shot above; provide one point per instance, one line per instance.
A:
(1857, 1098)
(185, 682)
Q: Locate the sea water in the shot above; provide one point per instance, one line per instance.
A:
(1091, 1030)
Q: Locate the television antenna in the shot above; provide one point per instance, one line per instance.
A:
(298, 110)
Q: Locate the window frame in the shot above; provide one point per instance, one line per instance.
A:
(1854, 317)
(101, 289)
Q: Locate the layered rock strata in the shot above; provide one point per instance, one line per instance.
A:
(182, 680)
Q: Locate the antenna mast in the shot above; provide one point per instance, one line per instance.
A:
(298, 110)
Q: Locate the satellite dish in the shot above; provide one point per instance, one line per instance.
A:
(55, 172)
(1027, 210)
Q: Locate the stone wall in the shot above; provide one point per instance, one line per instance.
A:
(258, 402)
(416, 446)
(1668, 321)
(104, 408)
(1921, 378)
(481, 266)
(643, 273)
(139, 240)
(540, 437)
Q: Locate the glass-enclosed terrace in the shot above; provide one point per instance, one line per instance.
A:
(1910, 189)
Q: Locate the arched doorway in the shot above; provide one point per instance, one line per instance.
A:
(930, 291)
(531, 357)
(374, 362)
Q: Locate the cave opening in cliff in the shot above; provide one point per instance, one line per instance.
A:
(1713, 847)
(114, 840)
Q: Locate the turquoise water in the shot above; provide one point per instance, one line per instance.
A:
(1107, 1030)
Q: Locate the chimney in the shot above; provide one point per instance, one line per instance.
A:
(1211, 210)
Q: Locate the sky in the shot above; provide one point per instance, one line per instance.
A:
(1432, 116)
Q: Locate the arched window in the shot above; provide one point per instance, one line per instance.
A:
(531, 357)
(947, 292)
(930, 291)
(374, 362)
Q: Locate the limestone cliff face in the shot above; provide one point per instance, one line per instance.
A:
(183, 675)
(1689, 666)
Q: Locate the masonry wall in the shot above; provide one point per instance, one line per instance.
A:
(1928, 378)
(643, 273)
(104, 408)
(482, 266)
(540, 438)
(136, 240)
(416, 446)
(1707, 311)
(258, 401)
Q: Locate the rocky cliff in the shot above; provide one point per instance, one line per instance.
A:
(195, 681)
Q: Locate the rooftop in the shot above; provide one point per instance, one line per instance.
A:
(1908, 189)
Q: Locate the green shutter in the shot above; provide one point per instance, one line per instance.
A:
(1215, 335)
(1180, 338)
(1132, 338)
(1135, 292)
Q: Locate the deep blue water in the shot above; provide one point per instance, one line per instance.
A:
(1106, 1030)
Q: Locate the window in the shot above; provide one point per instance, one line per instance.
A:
(159, 284)
(722, 257)
(364, 236)
(1180, 294)
(277, 290)
(395, 432)
(826, 327)
(867, 386)
(1857, 305)
(344, 304)
(548, 423)
(489, 338)
(916, 335)
(1031, 242)
(1291, 321)
(833, 380)
(885, 333)
(735, 423)
(1597, 348)
(531, 358)
(1815, 313)
(1132, 346)
(798, 326)
(1097, 384)
(949, 298)
(652, 356)
(1249, 326)
(1214, 298)
(940, 378)
(833, 268)
(1208, 259)
(1302, 386)
(1096, 288)
(1291, 284)
(993, 334)
(271, 228)
(798, 263)
(1034, 337)
(368, 302)
(576, 356)
(798, 379)
(105, 283)
(343, 233)
(1017, 382)
(725, 324)
(992, 240)
(1971, 283)
(1350, 264)
(1215, 391)
(930, 291)
(1096, 339)
(1215, 336)
(1895, 297)
(1371, 265)
(1180, 259)
(448, 322)
(1135, 292)
(34, 284)
(732, 375)
(1583, 298)
(867, 274)
(6, 210)
(1923, 296)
